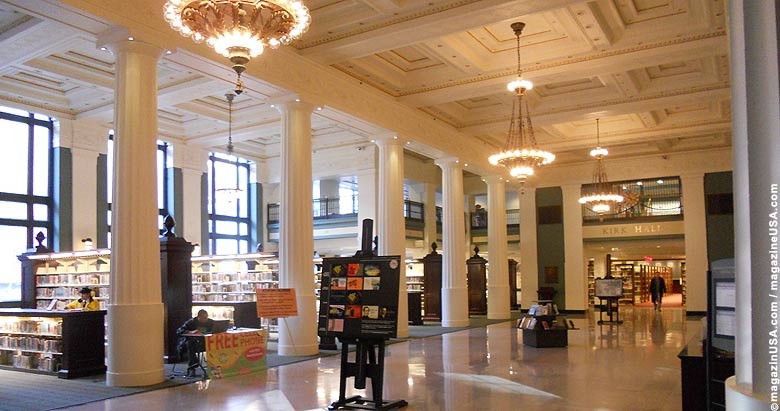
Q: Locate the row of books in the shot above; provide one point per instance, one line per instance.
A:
(12, 325)
(543, 309)
(30, 343)
(234, 277)
(532, 323)
(43, 362)
(74, 269)
(85, 279)
(224, 297)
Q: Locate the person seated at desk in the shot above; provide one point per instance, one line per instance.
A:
(86, 302)
(190, 338)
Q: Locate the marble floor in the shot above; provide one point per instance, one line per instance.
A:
(633, 366)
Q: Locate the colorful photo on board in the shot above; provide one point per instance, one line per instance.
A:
(336, 325)
(336, 311)
(371, 270)
(353, 297)
(370, 312)
(338, 283)
(354, 270)
(371, 283)
(355, 283)
(353, 311)
(338, 270)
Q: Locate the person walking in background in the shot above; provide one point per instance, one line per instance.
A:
(657, 290)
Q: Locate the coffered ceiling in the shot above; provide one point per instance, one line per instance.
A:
(655, 71)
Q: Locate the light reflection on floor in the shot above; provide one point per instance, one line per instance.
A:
(633, 366)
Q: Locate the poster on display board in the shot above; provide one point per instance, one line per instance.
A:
(359, 297)
(236, 352)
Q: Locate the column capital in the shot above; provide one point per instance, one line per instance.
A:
(495, 179)
(119, 39)
(293, 101)
(448, 163)
(386, 139)
(81, 134)
(188, 157)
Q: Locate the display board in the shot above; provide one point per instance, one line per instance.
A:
(236, 352)
(609, 287)
(359, 297)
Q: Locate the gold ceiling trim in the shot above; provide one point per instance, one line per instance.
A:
(564, 62)
(446, 118)
(395, 20)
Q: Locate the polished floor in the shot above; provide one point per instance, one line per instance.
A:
(633, 366)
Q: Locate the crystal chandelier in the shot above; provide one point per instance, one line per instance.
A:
(238, 29)
(599, 196)
(520, 154)
(230, 194)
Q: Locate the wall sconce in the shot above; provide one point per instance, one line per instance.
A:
(87, 243)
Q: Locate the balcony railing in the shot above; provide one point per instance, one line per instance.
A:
(414, 211)
(479, 219)
(651, 198)
(323, 208)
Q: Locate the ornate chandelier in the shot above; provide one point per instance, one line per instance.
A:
(599, 196)
(520, 154)
(230, 194)
(238, 29)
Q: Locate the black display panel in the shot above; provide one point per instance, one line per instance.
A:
(359, 297)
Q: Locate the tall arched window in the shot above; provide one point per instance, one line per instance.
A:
(228, 212)
(26, 191)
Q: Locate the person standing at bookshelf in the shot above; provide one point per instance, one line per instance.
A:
(657, 290)
(86, 302)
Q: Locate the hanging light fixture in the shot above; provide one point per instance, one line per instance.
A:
(230, 194)
(599, 196)
(520, 155)
(238, 29)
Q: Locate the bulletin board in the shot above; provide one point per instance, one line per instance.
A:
(359, 297)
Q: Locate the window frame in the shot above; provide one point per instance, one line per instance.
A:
(241, 165)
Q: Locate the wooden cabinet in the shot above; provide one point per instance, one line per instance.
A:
(68, 344)
(431, 303)
(477, 279)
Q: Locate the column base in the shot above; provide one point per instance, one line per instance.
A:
(454, 307)
(135, 345)
(298, 335)
(740, 398)
(498, 303)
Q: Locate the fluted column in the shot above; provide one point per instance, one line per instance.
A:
(429, 217)
(367, 193)
(390, 216)
(574, 260)
(454, 291)
(529, 262)
(192, 162)
(297, 335)
(695, 229)
(498, 278)
(135, 313)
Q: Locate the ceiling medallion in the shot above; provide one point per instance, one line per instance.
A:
(599, 196)
(238, 29)
(520, 155)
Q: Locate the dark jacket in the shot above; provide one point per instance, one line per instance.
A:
(657, 286)
(191, 325)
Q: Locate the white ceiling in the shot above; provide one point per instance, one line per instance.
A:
(655, 71)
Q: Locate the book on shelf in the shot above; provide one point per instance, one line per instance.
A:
(531, 324)
(545, 324)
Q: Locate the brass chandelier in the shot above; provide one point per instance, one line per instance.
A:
(238, 29)
(599, 196)
(520, 155)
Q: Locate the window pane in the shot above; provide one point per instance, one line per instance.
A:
(225, 175)
(108, 220)
(160, 221)
(227, 246)
(41, 161)
(210, 178)
(40, 212)
(43, 117)
(13, 137)
(242, 246)
(16, 111)
(13, 241)
(13, 210)
(110, 172)
(227, 227)
(160, 179)
(243, 228)
(243, 202)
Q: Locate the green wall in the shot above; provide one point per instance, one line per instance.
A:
(720, 226)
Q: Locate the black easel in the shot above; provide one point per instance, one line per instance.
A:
(369, 363)
(612, 308)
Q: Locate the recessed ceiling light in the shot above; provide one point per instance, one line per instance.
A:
(168, 52)
(395, 137)
(660, 181)
(466, 165)
(104, 48)
(639, 183)
(297, 100)
(131, 38)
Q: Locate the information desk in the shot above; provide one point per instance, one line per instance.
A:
(69, 344)
(236, 351)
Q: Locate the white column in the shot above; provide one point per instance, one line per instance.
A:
(135, 313)
(87, 140)
(498, 278)
(390, 216)
(193, 163)
(574, 265)
(367, 192)
(454, 291)
(529, 265)
(297, 335)
(695, 229)
(429, 216)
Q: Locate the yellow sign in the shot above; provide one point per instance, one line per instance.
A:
(236, 352)
(633, 230)
(276, 302)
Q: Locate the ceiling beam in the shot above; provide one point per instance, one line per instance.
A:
(31, 39)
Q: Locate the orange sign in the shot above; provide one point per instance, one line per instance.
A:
(276, 302)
